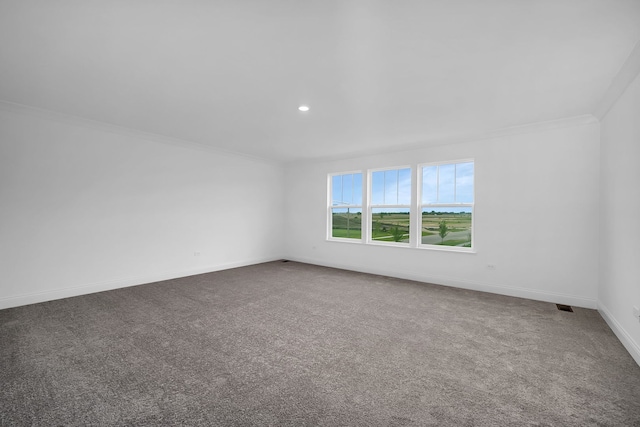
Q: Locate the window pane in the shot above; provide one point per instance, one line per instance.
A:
(347, 181)
(377, 188)
(464, 182)
(446, 226)
(390, 225)
(446, 183)
(346, 223)
(336, 190)
(430, 184)
(346, 189)
(404, 187)
(357, 189)
(391, 187)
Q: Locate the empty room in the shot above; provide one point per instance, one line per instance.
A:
(321, 213)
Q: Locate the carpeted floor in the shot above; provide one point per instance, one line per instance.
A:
(285, 343)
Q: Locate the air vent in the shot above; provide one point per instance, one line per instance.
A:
(563, 307)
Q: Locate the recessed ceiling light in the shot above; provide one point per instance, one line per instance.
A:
(303, 108)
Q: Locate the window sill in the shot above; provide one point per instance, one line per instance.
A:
(405, 246)
(334, 239)
(447, 249)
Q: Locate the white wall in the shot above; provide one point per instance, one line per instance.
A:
(619, 288)
(536, 216)
(85, 207)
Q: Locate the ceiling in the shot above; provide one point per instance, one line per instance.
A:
(377, 75)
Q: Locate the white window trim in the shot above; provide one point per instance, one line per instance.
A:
(330, 207)
(420, 206)
(370, 207)
(415, 209)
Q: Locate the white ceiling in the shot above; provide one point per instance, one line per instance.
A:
(377, 74)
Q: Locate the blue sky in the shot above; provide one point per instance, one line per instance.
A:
(449, 183)
(347, 189)
(391, 187)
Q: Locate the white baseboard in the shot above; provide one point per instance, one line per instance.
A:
(556, 298)
(50, 295)
(632, 347)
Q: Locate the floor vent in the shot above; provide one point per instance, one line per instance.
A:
(563, 307)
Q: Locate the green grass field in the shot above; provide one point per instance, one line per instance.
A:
(347, 225)
(458, 224)
(348, 234)
(390, 227)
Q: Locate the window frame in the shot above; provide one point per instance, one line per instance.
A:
(415, 208)
(371, 207)
(420, 206)
(331, 206)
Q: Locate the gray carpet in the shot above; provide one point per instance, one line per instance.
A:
(293, 344)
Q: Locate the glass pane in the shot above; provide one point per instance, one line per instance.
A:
(336, 189)
(377, 188)
(391, 187)
(464, 182)
(346, 223)
(446, 226)
(404, 187)
(390, 225)
(357, 189)
(430, 184)
(446, 183)
(346, 189)
(347, 181)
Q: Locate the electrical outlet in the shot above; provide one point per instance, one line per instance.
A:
(491, 266)
(636, 312)
(196, 254)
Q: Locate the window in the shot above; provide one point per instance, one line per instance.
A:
(345, 207)
(391, 206)
(446, 204)
(428, 206)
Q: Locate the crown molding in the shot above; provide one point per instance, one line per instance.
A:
(45, 114)
(459, 138)
(422, 143)
(627, 74)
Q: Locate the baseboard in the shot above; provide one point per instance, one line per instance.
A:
(534, 294)
(632, 347)
(37, 297)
